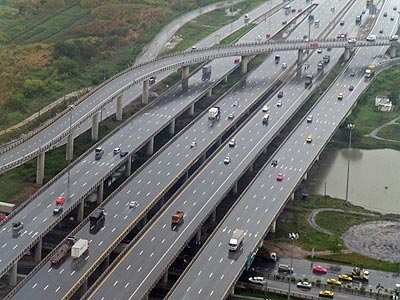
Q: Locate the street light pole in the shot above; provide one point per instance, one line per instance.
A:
(350, 127)
(292, 236)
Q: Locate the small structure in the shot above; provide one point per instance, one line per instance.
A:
(383, 103)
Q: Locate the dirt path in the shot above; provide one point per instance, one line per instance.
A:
(374, 133)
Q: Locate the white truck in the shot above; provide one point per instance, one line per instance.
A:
(236, 239)
(79, 248)
(214, 113)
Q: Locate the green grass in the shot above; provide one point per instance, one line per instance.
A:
(236, 35)
(391, 131)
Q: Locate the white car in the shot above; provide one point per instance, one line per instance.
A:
(350, 41)
(117, 150)
(319, 51)
(265, 108)
(309, 119)
(227, 160)
(258, 280)
(279, 103)
(304, 285)
(371, 38)
(133, 204)
(284, 65)
(232, 143)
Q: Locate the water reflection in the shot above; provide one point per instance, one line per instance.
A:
(374, 178)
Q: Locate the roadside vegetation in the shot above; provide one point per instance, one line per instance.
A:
(366, 117)
(295, 219)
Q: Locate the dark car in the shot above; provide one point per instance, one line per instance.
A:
(351, 88)
(274, 162)
(123, 153)
(280, 94)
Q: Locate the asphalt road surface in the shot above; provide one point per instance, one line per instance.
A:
(216, 268)
(145, 188)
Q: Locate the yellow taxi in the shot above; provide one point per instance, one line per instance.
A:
(309, 139)
(340, 96)
(334, 281)
(345, 277)
(326, 294)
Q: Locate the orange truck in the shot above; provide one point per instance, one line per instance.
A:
(177, 217)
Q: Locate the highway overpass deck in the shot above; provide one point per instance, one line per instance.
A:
(101, 99)
(147, 186)
(132, 278)
(216, 270)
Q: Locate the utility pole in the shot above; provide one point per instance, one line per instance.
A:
(350, 127)
(293, 237)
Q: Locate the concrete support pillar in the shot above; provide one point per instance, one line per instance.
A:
(40, 168)
(100, 193)
(317, 158)
(213, 217)
(232, 290)
(95, 126)
(106, 262)
(128, 167)
(145, 94)
(198, 236)
(292, 197)
(161, 202)
(300, 56)
(305, 177)
(392, 52)
(172, 127)
(219, 142)
(209, 93)
(203, 158)
(235, 187)
(144, 220)
(226, 79)
(150, 147)
(81, 210)
(70, 147)
(165, 277)
(261, 244)
(273, 227)
(12, 280)
(191, 110)
(266, 150)
(185, 78)
(244, 63)
(186, 176)
(38, 251)
(145, 297)
(251, 168)
(118, 113)
(82, 289)
(346, 55)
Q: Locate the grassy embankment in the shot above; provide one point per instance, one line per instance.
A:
(18, 184)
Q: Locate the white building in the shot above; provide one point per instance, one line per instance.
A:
(383, 103)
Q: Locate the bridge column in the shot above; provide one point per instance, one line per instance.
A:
(118, 113)
(198, 237)
(172, 127)
(317, 158)
(232, 290)
(165, 277)
(235, 188)
(186, 176)
(226, 79)
(244, 63)
(213, 218)
(273, 227)
(38, 251)
(251, 168)
(100, 193)
(300, 56)
(12, 280)
(145, 94)
(70, 147)
(191, 110)
(305, 176)
(209, 93)
(95, 126)
(81, 210)
(82, 289)
(392, 50)
(144, 220)
(346, 55)
(150, 147)
(292, 197)
(128, 167)
(40, 168)
(203, 158)
(185, 78)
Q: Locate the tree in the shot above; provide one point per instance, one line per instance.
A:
(33, 87)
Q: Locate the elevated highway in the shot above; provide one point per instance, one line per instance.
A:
(131, 278)
(147, 187)
(143, 72)
(215, 270)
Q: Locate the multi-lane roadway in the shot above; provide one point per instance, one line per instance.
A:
(215, 269)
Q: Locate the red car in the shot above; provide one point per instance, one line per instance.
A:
(3, 217)
(279, 177)
(394, 7)
(237, 60)
(60, 200)
(381, 30)
(314, 44)
(319, 269)
(268, 35)
(299, 10)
